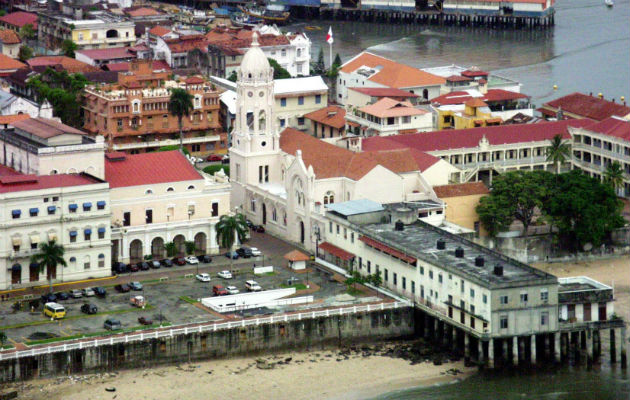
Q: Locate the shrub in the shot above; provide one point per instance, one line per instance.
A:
(212, 169)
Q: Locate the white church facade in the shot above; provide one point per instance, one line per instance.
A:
(283, 180)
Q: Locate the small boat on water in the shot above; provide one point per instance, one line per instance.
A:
(609, 3)
(242, 19)
(272, 14)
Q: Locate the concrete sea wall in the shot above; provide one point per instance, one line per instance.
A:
(304, 334)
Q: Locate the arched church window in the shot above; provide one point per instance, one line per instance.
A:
(250, 121)
(262, 121)
(274, 215)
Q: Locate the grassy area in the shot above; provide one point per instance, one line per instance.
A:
(188, 299)
(269, 273)
(354, 292)
(94, 334)
(297, 286)
(48, 321)
(6, 347)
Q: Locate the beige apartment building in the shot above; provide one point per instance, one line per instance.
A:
(159, 198)
(296, 97)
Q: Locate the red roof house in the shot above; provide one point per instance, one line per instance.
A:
(122, 170)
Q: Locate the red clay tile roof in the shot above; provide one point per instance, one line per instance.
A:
(6, 171)
(461, 189)
(111, 53)
(9, 64)
(296, 255)
(46, 128)
(589, 106)
(329, 161)
(458, 78)
(384, 92)
(469, 138)
(10, 119)
(461, 97)
(334, 116)
(392, 74)
(142, 12)
(125, 66)
(159, 31)
(8, 36)
(182, 46)
(475, 102)
(20, 18)
(20, 183)
(474, 73)
(387, 249)
(194, 80)
(149, 169)
(71, 65)
(612, 127)
(336, 251)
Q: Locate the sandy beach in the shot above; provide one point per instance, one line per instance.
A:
(313, 375)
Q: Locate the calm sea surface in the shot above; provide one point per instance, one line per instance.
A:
(588, 50)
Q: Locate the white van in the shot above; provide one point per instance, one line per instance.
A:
(252, 286)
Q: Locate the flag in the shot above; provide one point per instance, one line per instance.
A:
(329, 37)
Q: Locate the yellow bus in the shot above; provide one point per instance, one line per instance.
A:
(54, 310)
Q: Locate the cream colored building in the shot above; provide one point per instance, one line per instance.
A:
(297, 97)
(461, 202)
(72, 210)
(164, 200)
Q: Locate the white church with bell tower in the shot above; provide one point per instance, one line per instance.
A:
(284, 180)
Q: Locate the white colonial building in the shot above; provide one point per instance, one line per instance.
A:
(72, 210)
(282, 180)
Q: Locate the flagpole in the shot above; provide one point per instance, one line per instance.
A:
(330, 58)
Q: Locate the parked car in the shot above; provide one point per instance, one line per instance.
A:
(225, 160)
(112, 324)
(89, 308)
(249, 223)
(244, 252)
(214, 157)
(119, 268)
(179, 261)
(255, 251)
(122, 288)
(61, 296)
(135, 285)
(232, 290)
(259, 228)
(225, 274)
(155, 264)
(145, 321)
(232, 254)
(75, 294)
(49, 298)
(205, 259)
(167, 263)
(203, 277)
(138, 301)
(134, 267)
(88, 292)
(144, 266)
(192, 260)
(100, 292)
(252, 286)
(219, 290)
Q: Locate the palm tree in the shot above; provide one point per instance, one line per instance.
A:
(180, 105)
(228, 229)
(558, 151)
(614, 175)
(50, 255)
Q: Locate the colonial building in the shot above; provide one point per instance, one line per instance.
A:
(282, 180)
(72, 210)
(388, 117)
(328, 122)
(370, 70)
(579, 105)
(16, 20)
(133, 114)
(11, 104)
(9, 43)
(158, 198)
(461, 201)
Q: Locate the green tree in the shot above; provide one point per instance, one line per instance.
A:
(190, 247)
(180, 105)
(376, 280)
(278, 71)
(171, 249)
(558, 151)
(3, 13)
(233, 77)
(212, 169)
(585, 210)
(68, 47)
(494, 215)
(229, 229)
(171, 148)
(27, 32)
(49, 257)
(613, 175)
(319, 68)
(25, 53)
(3, 338)
(337, 61)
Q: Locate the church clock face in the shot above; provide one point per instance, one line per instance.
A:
(250, 94)
(261, 94)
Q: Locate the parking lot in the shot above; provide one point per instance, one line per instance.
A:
(171, 295)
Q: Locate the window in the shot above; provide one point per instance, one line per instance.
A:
(440, 278)
(100, 205)
(300, 100)
(16, 214)
(404, 283)
(283, 102)
(485, 299)
(300, 121)
(73, 236)
(148, 216)
(523, 297)
(337, 229)
(51, 210)
(87, 206)
(215, 209)
(282, 122)
(421, 270)
(191, 187)
(430, 274)
(86, 262)
(503, 299)
(504, 322)
(55, 198)
(369, 267)
(386, 275)
(462, 282)
(73, 208)
(101, 260)
(33, 212)
(544, 295)
(395, 279)
(87, 234)
(101, 233)
(351, 237)
(283, 53)
(544, 318)
(413, 287)
(360, 263)
(126, 218)
(330, 227)
(318, 99)
(119, 123)
(472, 293)
(472, 309)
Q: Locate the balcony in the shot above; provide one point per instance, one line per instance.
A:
(166, 142)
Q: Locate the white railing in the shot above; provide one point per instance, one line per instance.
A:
(207, 327)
